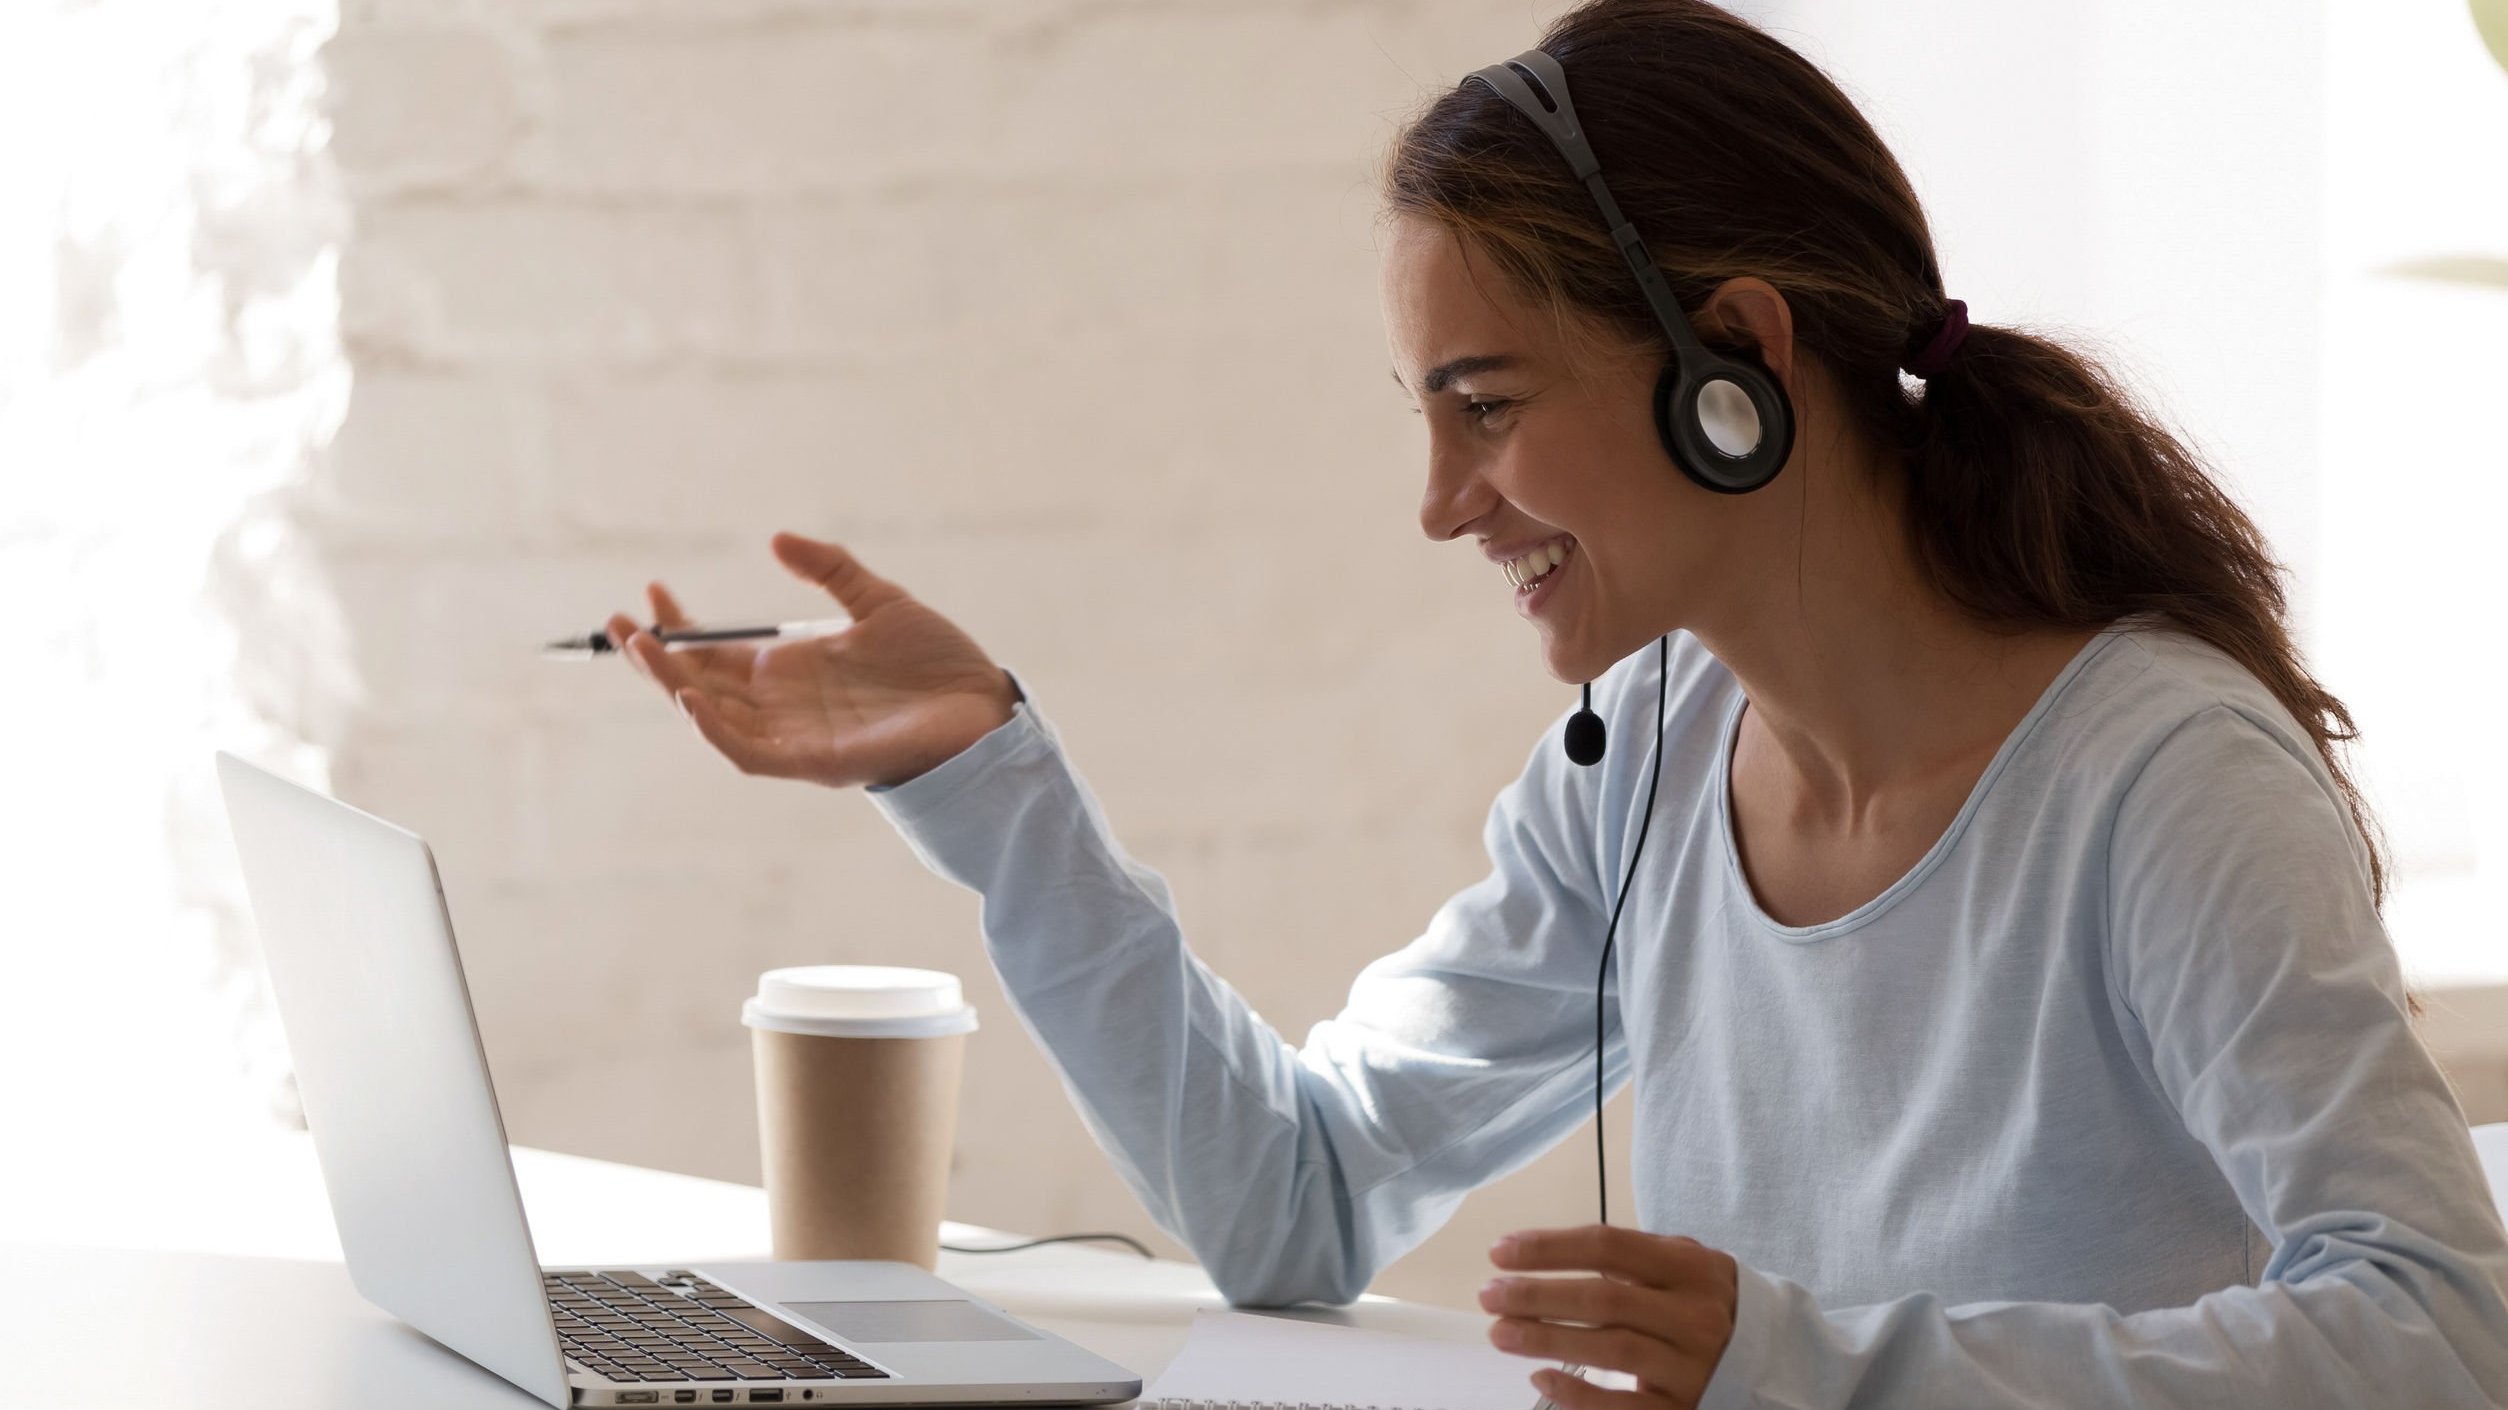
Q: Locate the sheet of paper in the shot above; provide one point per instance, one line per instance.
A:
(1243, 1356)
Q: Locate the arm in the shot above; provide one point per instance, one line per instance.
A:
(2245, 946)
(1293, 1173)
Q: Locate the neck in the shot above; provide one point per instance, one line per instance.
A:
(1865, 678)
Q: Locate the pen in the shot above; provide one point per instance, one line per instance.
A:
(598, 643)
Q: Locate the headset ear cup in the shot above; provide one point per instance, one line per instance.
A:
(1683, 427)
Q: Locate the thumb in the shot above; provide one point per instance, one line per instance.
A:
(831, 567)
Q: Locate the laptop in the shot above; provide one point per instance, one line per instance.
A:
(395, 1088)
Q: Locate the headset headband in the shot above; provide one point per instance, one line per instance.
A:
(1534, 82)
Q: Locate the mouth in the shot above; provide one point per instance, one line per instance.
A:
(1527, 572)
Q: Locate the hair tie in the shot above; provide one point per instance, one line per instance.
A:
(1946, 339)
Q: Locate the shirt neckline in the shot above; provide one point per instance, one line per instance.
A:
(1722, 792)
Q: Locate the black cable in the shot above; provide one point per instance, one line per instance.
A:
(1602, 1163)
(1125, 1239)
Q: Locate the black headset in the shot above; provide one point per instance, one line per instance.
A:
(1725, 421)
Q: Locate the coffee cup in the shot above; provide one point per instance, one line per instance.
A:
(857, 1074)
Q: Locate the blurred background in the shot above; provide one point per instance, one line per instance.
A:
(349, 349)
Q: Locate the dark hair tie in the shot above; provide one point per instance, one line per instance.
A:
(1937, 353)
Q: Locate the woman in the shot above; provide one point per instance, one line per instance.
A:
(2010, 1015)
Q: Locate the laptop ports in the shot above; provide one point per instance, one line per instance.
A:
(720, 1397)
(639, 1397)
(765, 1397)
(683, 1397)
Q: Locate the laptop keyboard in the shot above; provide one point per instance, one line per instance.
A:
(679, 1327)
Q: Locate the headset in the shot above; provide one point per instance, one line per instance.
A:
(1725, 421)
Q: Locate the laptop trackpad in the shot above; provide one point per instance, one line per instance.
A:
(944, 1319)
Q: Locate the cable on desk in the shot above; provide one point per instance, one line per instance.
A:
(1125, 1239)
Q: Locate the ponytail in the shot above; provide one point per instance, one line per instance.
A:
(2039, 492)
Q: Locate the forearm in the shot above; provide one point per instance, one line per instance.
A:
(1201, 1105)
(2388, 1331)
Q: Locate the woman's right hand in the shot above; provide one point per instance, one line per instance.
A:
(897, 692)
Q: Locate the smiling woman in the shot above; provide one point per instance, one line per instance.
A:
(2006, 1002)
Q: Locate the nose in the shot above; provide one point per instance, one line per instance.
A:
(1456, 494)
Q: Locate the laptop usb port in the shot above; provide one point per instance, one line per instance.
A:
(765, 1397)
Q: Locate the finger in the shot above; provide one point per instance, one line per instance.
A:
(666, 614)
(722, 666)
(746, 752)
(657, 661)
(1576, 1393)
(1658, 1259)
(838, 571)
(1656, 1364)
(621, 630)
(1687, 1320)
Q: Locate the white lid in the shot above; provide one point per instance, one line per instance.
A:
(859, 1001)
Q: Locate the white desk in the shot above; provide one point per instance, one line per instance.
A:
(212, 1278)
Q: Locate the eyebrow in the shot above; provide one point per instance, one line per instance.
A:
(1443, 374)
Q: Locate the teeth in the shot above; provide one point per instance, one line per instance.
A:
(1530, 567)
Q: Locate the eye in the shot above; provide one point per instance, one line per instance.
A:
(1480, 411)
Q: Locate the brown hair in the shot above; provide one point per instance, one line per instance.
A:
(2037, 491)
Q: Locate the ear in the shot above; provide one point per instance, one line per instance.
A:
(1750, 312)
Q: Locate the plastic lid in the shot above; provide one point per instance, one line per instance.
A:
(859, 1001)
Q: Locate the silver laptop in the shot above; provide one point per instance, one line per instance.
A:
(395, 1088)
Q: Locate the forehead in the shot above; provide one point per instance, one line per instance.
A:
(1441, 305)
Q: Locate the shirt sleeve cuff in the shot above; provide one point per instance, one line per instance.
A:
(931, 791)
(1757, 1306)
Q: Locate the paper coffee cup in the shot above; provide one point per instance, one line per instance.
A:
(857, 1069)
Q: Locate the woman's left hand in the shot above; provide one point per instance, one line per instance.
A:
(1661, 1310)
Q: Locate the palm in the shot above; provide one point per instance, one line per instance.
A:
(895, 693)
(884, 686)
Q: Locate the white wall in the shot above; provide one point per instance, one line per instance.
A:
(2416, 465)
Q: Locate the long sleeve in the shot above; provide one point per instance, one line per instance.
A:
(1294, 1173)
(2246, 954)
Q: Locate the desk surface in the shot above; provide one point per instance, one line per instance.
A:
(213, 1279)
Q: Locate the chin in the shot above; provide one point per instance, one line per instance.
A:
(1570, 664)
(1584, 659)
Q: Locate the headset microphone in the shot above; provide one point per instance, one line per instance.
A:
(1584, 732)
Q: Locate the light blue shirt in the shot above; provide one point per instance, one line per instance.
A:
(2111, 1100)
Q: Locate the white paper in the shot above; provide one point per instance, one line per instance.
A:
(1244, 1358)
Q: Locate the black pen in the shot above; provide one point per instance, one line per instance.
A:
(599, 644)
